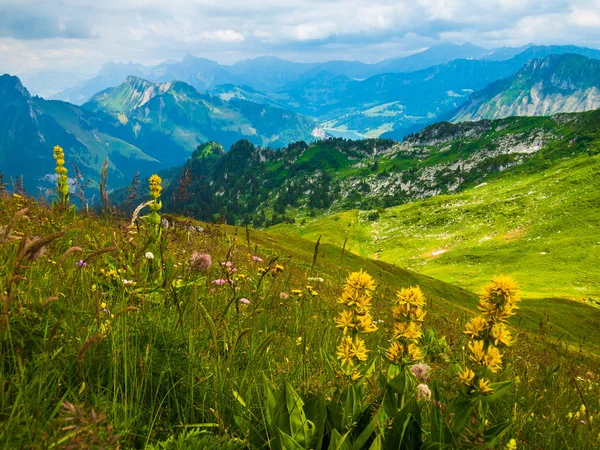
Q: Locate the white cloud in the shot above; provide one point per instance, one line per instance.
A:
(223, 36)
(87, 33)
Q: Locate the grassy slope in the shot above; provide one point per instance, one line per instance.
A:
(541, 228)
(158, 368)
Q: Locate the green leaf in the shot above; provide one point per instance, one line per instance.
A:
(377, 444)
(287, 442)
(499, 390)
(493, 435)
(338, 442)
(462, 408)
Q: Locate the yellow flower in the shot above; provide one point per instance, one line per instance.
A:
(412, 296)
(344, 351)
(155, 186)
(493, 359)
(360, 281)
(476, 326)
(466, 376)
(345, 321)
(501, 335)
(296, 291)
(365, 324)
(484, 386)
(512, 445)
(477, 352)
(410, 331)
(415, 352)
(395, 352)
(359, 349)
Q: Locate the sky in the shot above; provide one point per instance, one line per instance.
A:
(81, 35)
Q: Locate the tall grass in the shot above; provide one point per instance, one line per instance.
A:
(128, 342)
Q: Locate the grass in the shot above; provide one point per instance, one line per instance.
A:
(152, 352)
(541, 228)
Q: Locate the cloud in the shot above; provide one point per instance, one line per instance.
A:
(223, 36)
(86, 33)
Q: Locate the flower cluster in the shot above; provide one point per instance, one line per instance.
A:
(408, 315)
(356, 318)
(61, 171)
(489, 333)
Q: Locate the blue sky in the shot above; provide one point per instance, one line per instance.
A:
(80, 35)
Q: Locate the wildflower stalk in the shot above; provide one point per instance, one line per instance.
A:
(488, 334)
(62, 180)
(404, 350)
(355, 320)
(155, 205)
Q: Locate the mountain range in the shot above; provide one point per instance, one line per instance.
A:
(557, 83)
(144, 125)
(139, 126)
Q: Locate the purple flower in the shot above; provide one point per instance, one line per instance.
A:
(106, 311)
(245, 301)
(220, 282)
(257, 258)
(81, 263)
(227, 264)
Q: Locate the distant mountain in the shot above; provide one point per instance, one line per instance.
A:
(395, 104)
(31, 127)
(189, 117)
(111, 74)
(201, 73)
(270, 74)
(433, 56)
(267, 73)
(557, 83)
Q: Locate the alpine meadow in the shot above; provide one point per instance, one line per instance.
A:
(300, 225)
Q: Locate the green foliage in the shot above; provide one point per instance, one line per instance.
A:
(149, 350)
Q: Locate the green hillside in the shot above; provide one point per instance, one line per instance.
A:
(557, 83)
(540, 227)
(131, 338)
(189, 117)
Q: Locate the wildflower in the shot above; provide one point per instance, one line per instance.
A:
(477, 352)
(345, 321)
(512, 445)
(423, 392)
(493, 359)
(149, 256)
(155, 186)
(128, 282)
(466, 376)
(284, 295)
(415, 352)
(296, 292)
(476, 326)
(200, 262)
(395, 352)
(484, 386)
(501, 335)
(299, 340)
(316, 279)
(408, 315)
(245, 301)
(220, 282)
(420, 371)
(360, 281)
(81, 263)
(257, 259)
(227, 264)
